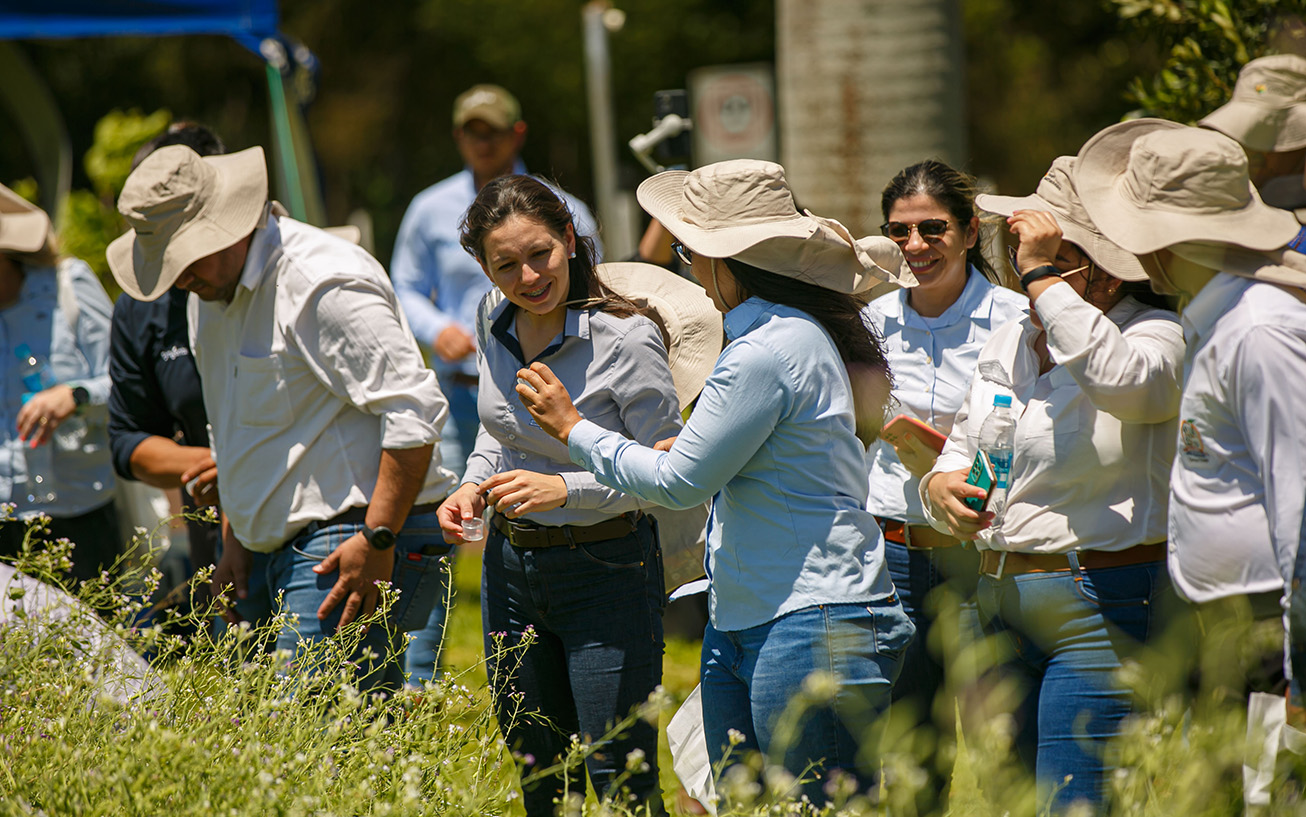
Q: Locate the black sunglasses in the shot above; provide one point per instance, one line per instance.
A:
(682, 252)
(929, 229)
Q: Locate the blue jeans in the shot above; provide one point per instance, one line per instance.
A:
(749, 677)
(1069, 633)
(457, 439)
(289, 570)
(596, 614)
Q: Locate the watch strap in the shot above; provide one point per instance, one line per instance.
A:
(1045, 271)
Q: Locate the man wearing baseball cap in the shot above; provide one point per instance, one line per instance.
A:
(324, 417)
(440, 286)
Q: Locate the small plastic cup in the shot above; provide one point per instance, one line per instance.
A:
(473, 530)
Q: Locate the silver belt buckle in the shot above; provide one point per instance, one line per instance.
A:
(1002, 564)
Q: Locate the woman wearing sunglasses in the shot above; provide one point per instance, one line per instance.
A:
(1073, 580)
(798, 586)
(932, 334)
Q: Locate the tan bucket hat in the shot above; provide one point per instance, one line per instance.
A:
(182, 208)
(743, 209)
(1150, 183)
(1267, 111)
(24, 227)
(1056, 195)
(690, 323)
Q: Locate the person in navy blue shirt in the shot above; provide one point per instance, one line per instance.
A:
(158, 430)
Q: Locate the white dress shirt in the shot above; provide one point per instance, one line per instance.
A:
(1238, 484)
(932, 360)
(308, 374)
(1094, 435)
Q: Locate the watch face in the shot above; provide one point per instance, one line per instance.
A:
(382, 538)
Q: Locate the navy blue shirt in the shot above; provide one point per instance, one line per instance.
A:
(156, 388)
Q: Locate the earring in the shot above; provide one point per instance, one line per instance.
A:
(573, 254)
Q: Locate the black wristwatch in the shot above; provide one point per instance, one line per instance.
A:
(80, 397)
(1045, 271)
(380, 537)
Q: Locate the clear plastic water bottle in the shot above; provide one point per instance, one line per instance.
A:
(37, 376)
(997, 440)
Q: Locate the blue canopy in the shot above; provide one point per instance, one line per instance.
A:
(247, 21)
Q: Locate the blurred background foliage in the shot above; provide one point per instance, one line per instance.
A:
(1041, 78)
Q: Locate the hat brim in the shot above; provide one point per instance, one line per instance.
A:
(1260, 127)
(1116, 260)
(690, 323)
(28, 232)
(239, 198)
(661, 197)
(1099, 180)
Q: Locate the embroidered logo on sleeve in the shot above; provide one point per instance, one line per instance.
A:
(174, 353)
(1190, 441)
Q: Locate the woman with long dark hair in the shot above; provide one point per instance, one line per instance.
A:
(933, 333)
(799, 597)
(572, 588)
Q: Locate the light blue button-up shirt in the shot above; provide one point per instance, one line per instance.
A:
(771, 442)
(932, 360)
(78, 354)
(437, 282)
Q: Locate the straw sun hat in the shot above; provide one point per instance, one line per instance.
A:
(1056, 195)
(744, 209)
(24, 227)
(1268, 109)
(182, 208)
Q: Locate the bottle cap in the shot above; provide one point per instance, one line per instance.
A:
(1002, 400)
(22, 350)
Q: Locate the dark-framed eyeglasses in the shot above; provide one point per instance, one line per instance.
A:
(931, 229)
(685, 254)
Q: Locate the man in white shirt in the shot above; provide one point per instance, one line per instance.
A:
(1181, 200)
(324, 417)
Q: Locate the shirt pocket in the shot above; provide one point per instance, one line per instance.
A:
(262, 393)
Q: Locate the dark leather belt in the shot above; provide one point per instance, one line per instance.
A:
(530, 535)
(463, 379)
(915, 536)
(999, 563)
(357, 515)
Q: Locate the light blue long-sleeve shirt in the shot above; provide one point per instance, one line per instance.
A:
(771, 442)
(932, 360)
(78, 355)
(437, 282)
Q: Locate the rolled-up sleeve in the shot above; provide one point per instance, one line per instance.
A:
(354, 340)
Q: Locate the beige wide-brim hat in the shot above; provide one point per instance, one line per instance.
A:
(743, 209)
(690, 323)
(1056, 195)
(1267, 111)
(24, 227)
(182, 207)
(1149, 184)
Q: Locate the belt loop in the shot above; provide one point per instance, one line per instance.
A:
(906, 535)
(1073, 558)
(571, 539)
(1002, 564)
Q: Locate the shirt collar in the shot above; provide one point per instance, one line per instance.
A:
(1213, 301)
(977, 287)
(743, 318)
(262, 249)
(503, 327)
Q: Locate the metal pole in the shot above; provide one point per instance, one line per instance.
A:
(618, 236)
